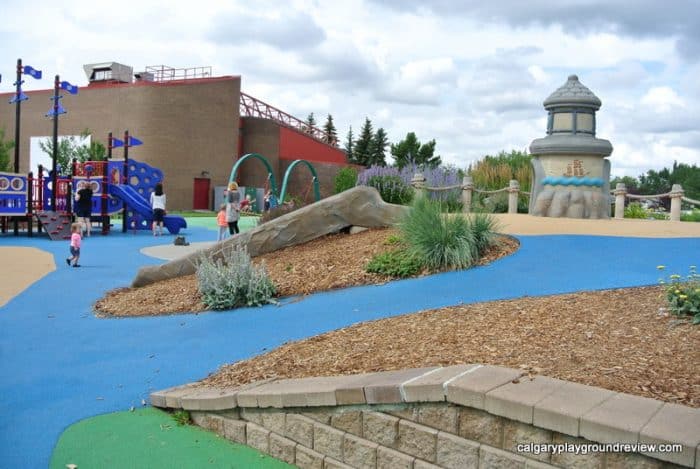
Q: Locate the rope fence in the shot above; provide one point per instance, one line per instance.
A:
(513, 190)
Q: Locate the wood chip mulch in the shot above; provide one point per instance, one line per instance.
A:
(622, 340)
(614, 339)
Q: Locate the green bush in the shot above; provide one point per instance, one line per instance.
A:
(398, 263)
(635, 210)
(442, 242)
(182, 417)
(683, 295)
(345, 179)
(231, 280)
(692, 216)
(392, 189)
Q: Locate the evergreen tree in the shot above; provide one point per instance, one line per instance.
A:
(363, 144)
(378, 148)
(410, 150)
(310, 124)
(5, 148)
(331, 136)
(350, 146)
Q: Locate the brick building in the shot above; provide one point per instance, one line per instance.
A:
(194, 128)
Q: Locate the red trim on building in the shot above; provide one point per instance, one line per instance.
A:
(294, 145)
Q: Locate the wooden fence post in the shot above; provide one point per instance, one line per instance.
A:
(513, 191)
(620, 193)
(676, 196)
(418, 183)
(467, 188)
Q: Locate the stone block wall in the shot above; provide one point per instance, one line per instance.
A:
(325, 422)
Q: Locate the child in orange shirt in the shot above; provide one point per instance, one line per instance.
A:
(75, 239)
(221, 221)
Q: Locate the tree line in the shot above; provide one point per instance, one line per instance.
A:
(370, 147)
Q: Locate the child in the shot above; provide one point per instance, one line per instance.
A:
(221, 221)
(75, 240)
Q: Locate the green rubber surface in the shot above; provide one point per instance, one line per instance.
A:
(150, 439)
(244, 223)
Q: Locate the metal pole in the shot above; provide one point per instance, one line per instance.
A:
(126, 177)
(54, 156)
(18, 112)
(105, 182)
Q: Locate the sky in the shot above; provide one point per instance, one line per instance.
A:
(470, 74)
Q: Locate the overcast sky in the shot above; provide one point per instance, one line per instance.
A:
(470, 74)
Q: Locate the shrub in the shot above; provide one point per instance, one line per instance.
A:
(232, 280)
(398, 263)
(635, 210)
(182, 417)
(445, 241)
(392, 189)
(692, 216)
(683, 295)
(345, 179)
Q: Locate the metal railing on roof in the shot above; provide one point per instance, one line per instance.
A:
(165, 73)
(252, 107)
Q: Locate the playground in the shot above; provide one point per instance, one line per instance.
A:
(68, 365)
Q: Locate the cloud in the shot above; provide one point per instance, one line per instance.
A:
(420, 82)
(662, 99)
(640, 19)
(285, 30)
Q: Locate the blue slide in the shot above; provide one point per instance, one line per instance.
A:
(138, 204)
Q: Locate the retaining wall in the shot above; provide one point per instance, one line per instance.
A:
(454, 417)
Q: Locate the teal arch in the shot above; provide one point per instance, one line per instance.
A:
(285, 181)
(270, 174)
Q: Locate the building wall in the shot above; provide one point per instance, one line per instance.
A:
(260, 136)
(296, 145)
(281, 146)
(187, 127)
(300, 180)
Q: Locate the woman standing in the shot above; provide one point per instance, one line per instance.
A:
(233, 208)
(158, 206)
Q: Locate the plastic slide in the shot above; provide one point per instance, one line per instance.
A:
(138, 204)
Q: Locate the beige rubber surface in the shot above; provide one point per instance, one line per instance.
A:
(22, 267)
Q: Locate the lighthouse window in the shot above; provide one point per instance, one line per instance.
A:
(584, 122)
(562, 122)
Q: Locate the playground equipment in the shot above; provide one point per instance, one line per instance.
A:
(275, 196)
(25, 198)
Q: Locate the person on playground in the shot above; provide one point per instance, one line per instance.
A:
(75, 240)
(158, 206)
(246, 204)
(221, 221)
(83, 205)
(233, 208)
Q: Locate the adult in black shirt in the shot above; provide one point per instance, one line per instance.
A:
(83, 205)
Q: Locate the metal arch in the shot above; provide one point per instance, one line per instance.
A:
(270, 174)
(285, 181)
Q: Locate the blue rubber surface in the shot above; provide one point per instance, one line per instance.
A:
(60, 364)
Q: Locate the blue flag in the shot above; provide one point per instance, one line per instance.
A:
(29, 70)
(72, 89)
(116, 143)
(133, 141)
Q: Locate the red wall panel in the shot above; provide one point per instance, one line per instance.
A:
(295, 145)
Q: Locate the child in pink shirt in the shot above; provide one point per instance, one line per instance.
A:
(75, 240)
(221, 221)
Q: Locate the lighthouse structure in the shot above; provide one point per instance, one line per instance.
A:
(571, 172)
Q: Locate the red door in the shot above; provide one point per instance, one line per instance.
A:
(201, 194)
